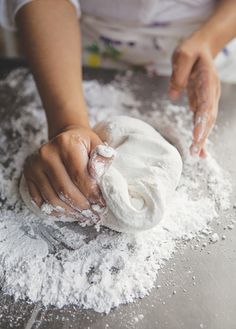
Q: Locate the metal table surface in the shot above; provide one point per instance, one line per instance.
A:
(208, 301)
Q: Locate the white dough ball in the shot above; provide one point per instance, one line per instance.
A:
(142, 176)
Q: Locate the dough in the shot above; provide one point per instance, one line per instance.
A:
(143, 175)
(141, 178)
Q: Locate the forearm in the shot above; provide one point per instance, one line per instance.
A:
(220, 28)
(50, 35)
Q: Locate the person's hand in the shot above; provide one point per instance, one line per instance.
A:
(58, 174)
(193, 69)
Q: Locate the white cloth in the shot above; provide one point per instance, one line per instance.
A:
(147, 12)
(131, 13)
(137, 32)
(9, 9)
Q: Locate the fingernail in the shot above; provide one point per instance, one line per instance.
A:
(173, 94)
(105, 151)
(203, 153)
(34, 203)
(102, 202)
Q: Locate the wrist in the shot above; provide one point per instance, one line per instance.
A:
(67, 119)
(213, 38)
(205, 42)
(213, 42)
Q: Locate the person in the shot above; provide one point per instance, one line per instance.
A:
(175, 37)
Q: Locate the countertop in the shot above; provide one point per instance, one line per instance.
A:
(208, 301)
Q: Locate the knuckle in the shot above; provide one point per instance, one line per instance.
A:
(186, 54)
(182, 53)
(44, 152)
(61, 139)
(68, 138)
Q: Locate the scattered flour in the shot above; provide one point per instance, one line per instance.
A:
(215, 238)
(63, 263)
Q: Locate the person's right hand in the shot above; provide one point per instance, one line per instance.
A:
(58, 173)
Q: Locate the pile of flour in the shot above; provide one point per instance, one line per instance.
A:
(63, 263)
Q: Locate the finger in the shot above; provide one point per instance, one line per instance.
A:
(34, 193)
(182, 64)
(76, 164)
(203, 153)
(66, 190)
(200, 132)
(204, 124)
(100, 159)
(204, 88)
(50, 197)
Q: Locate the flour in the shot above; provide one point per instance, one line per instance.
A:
(63, 263)
(215, 238)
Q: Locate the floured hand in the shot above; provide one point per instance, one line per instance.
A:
(193, 70)
(58, 174)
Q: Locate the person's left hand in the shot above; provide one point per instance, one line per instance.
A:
(193, 69)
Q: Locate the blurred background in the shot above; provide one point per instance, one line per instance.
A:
(9, 44)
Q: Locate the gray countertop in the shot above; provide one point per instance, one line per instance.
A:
(208, 301)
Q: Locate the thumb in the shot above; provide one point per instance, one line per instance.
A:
(100, 159)
(182, 64)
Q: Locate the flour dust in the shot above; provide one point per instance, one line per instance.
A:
(64, 263)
